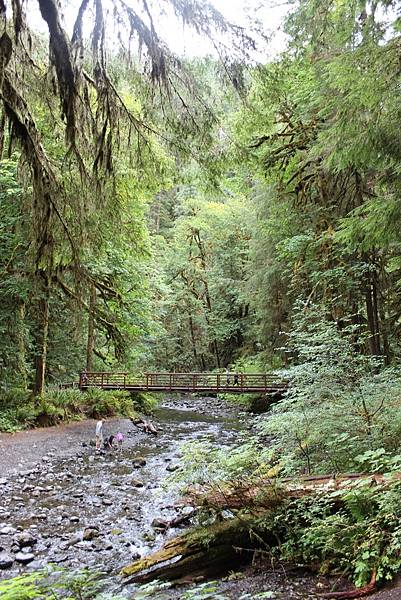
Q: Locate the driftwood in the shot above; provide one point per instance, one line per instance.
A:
(146, 426)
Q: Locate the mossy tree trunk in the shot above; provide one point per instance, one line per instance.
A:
(42, 336)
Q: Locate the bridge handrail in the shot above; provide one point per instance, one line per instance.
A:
(182, 381)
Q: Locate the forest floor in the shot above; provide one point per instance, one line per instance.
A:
(62, 504)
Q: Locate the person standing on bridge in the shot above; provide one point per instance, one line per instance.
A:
(84, 376)
(228, 376)
(236, 375)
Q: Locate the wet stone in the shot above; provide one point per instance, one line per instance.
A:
(25, 539)
(72, 542)
(137, 483)
(139, 462)
(7, 530)
(89, 534)
(6, 560)
(172, 468)
(84, 545)
(24, 557)
(160, 524)
(59, 559)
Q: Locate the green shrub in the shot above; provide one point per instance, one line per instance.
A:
(69, 401)
(19, 410)
(14, 397)
(108, 403)
(9, 421)
(53, 583)
(47, 413)
(354, 533)
(16, 409)
(144, 402)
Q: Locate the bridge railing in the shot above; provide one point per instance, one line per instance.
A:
(182, 381)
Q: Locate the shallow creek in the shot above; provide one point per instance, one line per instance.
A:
(53, 488)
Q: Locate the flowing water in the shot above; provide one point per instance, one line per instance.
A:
(62, 504)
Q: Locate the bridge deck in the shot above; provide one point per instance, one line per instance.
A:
(185, 382)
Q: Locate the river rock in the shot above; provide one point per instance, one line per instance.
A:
(160, 524)
(90, 534)
(3, 481)
(7, 530)
(73, 519)
(107, 502)
(85, 545)
(59, 559)
(139, 462)
(137, 483)
(172, 468)
(71, 542)
(24, 539)
(24, 557)
(6, 560)
(187, 510)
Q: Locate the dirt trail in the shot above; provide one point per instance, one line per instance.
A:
(22, 450)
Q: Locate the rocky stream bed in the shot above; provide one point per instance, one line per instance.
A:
(62, 504)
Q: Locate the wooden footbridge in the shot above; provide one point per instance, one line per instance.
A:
(243, 383)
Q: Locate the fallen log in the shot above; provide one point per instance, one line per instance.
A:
(267, 492)
(198, 553)
(226, 545)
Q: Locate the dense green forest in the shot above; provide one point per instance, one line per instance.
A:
(161, 213)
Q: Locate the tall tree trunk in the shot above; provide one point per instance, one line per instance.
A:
(42, 337)
(208, 302)
(372, 315)
(21, 357)
(90, 345)
(193, 338)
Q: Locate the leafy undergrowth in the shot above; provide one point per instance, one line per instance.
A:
(354, 534)
(54, 583)
(18, 410)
